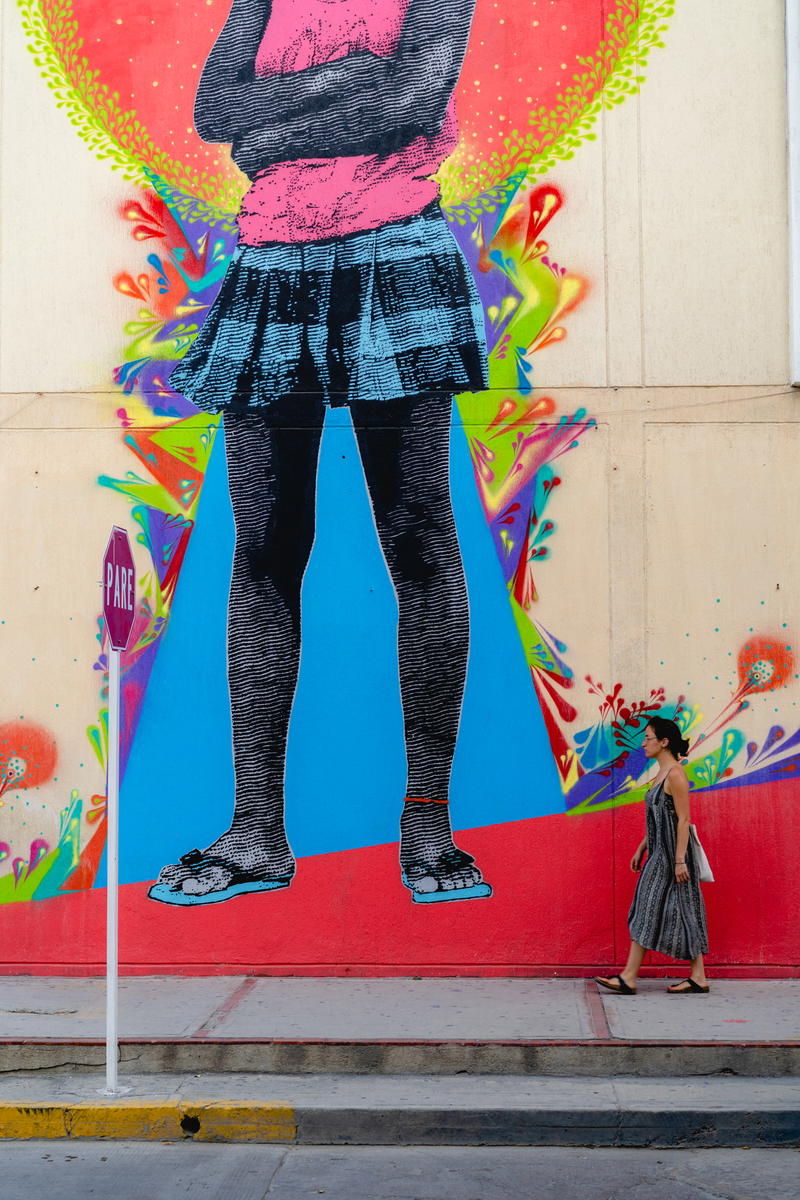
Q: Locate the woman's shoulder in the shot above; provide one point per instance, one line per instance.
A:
(675, 771)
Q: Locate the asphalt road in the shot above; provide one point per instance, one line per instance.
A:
(161, 1171)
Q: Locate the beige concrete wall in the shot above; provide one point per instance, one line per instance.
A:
(681, 353)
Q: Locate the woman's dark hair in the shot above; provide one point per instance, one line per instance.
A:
(666, 729)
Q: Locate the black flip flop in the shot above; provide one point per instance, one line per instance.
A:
(620, 989)
(447, 863)
(240, 882)
(694, 989)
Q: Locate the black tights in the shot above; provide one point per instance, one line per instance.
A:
(272, 468)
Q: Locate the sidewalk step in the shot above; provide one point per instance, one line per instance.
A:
(609, 1057)
(408, 1110)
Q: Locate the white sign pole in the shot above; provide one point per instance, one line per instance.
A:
(119, 605)
(112, 889)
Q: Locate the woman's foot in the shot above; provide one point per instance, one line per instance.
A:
(433, 868)
(617, 983)
(689, 987)
(230, 866)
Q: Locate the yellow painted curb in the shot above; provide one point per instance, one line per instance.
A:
(250, 1122)
(142, 1120)
(128, 1119)
(25, 1121)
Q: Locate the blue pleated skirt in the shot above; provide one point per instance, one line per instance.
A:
(382, 314)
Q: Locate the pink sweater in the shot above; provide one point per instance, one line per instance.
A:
(312, 199)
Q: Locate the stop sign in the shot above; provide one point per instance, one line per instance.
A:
(119, 588)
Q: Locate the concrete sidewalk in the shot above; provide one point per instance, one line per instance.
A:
(178, 1007)
(391, 1026)
(404, 1062)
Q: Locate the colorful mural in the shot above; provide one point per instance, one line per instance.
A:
(535, 79)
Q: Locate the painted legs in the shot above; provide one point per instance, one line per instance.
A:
(272, 466)
(405, 452)
(272, 478)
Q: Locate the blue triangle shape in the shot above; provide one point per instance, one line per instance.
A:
(346, 760)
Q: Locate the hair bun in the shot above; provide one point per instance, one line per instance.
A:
(684, 747)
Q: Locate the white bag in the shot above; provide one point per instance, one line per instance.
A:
(704, 872)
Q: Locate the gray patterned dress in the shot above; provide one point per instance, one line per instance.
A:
(665, 915)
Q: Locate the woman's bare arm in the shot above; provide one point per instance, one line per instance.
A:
(360, 104)
(638, 855)
(679, 790)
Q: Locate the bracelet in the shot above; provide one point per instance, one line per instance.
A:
(680, 864)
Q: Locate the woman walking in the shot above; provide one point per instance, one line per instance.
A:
(667, 913)
(346, 288)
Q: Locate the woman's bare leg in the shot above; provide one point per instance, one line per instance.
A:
(630, 972)
(697, 972)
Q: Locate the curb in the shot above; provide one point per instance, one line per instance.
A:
(215, 1121)
(607, 1057)
(143, 1120)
